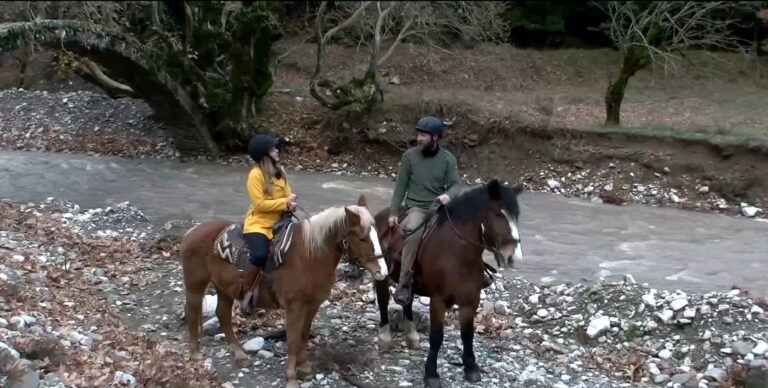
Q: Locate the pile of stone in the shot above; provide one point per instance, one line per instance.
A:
(80, 121)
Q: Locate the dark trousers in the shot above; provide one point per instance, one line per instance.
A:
(258, 244)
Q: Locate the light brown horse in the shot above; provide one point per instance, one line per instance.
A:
(299, 285)
(449, 266)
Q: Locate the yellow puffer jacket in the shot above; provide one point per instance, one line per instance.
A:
(265, 210)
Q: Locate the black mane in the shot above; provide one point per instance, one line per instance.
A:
(473, 203)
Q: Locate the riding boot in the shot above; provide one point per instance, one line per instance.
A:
(403, 292)
(252, 282)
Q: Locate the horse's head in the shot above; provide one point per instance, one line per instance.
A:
(362, 241)
(500, 223)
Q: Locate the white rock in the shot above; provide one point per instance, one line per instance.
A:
(501, 307)
(649, 299)
(707, 335)
(211, 324)
(534, 299)
(553, 184)
(265, 354)
(665, 316)
(678, 304)
(760, 349)
(18, 258)
(756, 310)
(704, 189)
(674, 198)
(542, 313)
(749, 211)
(665, 354)
(598, 326)
(689, 313)
(124, 378)
(653, 369)
(254, 344)
(369, 297)
(209, 306)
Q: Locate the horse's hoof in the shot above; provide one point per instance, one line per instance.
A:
(292, 384)
(413, 344)
(473, 376)
(303, 371)
(196, 356)
(433, 382)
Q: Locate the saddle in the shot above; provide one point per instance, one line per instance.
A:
(230, 245)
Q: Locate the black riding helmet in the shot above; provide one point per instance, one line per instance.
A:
(260, 145)
(431, 125)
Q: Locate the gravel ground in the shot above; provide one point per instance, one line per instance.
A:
(93, 297)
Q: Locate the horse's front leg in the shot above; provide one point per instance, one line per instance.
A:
(294, 322)
(467, 322)
(303, 368)
(436, 318)
(382, 299)
(411, 334)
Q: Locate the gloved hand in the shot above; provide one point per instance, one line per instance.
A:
(393, 221)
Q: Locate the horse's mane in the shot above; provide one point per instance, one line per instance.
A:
(474, 202)
(330, 221)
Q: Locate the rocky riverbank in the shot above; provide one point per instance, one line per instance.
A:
(94, 297)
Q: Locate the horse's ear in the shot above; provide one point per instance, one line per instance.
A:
(362, 202)
(352, 216)
(494, 189)
(518, 188)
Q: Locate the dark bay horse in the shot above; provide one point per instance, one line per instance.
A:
(300, 284)
(449, 266)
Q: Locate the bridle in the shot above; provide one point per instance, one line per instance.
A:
(344, 245)
(484, 244)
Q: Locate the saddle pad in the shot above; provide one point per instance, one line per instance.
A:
(230, 245)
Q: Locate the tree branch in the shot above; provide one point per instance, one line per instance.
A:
(114, 88)
(404, 33)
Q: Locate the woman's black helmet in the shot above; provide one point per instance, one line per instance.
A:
(259, 146)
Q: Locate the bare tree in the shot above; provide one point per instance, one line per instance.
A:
(383, 25)
(657, 32)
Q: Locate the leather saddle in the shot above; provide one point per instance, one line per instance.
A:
(230, 245)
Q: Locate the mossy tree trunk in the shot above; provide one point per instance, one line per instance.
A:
(635, 59)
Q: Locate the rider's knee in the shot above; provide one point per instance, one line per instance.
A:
(259, 258)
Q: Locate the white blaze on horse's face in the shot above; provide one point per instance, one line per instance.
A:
(383, 271)
(515, 232)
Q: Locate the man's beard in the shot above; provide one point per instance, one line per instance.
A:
(430, 149)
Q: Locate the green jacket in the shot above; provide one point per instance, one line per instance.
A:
(421, 180)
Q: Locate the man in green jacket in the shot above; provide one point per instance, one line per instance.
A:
(427, 172)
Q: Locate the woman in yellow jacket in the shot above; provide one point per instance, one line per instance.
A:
(270, 196)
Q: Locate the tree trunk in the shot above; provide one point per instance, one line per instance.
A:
(613, 98)
(634, 60)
